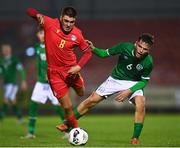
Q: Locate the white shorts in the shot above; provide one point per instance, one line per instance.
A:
(10, 91)
(42, 92)
(112, 86)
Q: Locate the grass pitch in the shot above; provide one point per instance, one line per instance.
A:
(159, 130)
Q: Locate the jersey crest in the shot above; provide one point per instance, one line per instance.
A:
(139, 67)
(125, 57)
(73, 37)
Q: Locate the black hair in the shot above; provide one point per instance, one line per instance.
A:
(147, 38)
(69, 11)
(5, 44)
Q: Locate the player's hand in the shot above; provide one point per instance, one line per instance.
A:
(74, 70)
(123, 95)
(23, 85)
(40, 19)
(90, 44)
(35, 14)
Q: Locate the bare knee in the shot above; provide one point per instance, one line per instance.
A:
(91, 101)
(140, 104)
(80, 91)
(5, 101)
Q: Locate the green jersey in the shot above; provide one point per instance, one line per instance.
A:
(41, 62)
(9, 68)
(128, 66)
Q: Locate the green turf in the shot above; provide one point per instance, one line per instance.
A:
(104, 131)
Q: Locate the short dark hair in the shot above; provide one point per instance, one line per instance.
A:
(5, 44)
(147, 38)
(69, 11)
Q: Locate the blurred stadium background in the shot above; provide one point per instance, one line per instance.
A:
(106, 23)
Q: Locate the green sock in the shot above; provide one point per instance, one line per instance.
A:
(77, 114)
(4, 109)
(17, 111)
(33, 108)
(60, 112)
(1, 115)
(137, 130)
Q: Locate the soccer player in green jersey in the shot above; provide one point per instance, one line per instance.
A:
(10, 66)
(42, 91)
(127, 80)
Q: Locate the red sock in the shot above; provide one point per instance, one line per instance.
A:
(72, 121)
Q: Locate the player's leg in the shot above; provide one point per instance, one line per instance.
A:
(15, 106)
(17, 111)
(4, 110)
(5, 102)
(59, 82)
(78, 84)
(66, 104)
(56, 104)
(88, 103)
(33, 109)
(79, 90)
(39, 96)
(108, 87)
(70, 118)
(139, 102)
(1, 114)
(83, 108)
(59, 111)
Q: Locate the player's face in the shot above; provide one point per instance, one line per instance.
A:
(141, 48)
(6, 50)
(67, 23)
(40, 36)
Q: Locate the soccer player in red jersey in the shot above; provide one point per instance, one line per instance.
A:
(61, 37)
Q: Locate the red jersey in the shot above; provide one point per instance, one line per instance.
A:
(60, 46)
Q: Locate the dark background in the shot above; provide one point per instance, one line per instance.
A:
(106, 23)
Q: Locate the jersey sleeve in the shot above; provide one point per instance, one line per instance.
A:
(48, 22)
(83, 45)
(144, 77)
(147, 70)
(102, 53)
(140, 85)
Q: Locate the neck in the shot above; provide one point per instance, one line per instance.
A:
(7, 57)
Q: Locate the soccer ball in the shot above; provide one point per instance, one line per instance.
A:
(78, 136)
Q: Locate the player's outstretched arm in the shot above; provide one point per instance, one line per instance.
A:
(102, 53)
(97, 51)
(36, 15)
